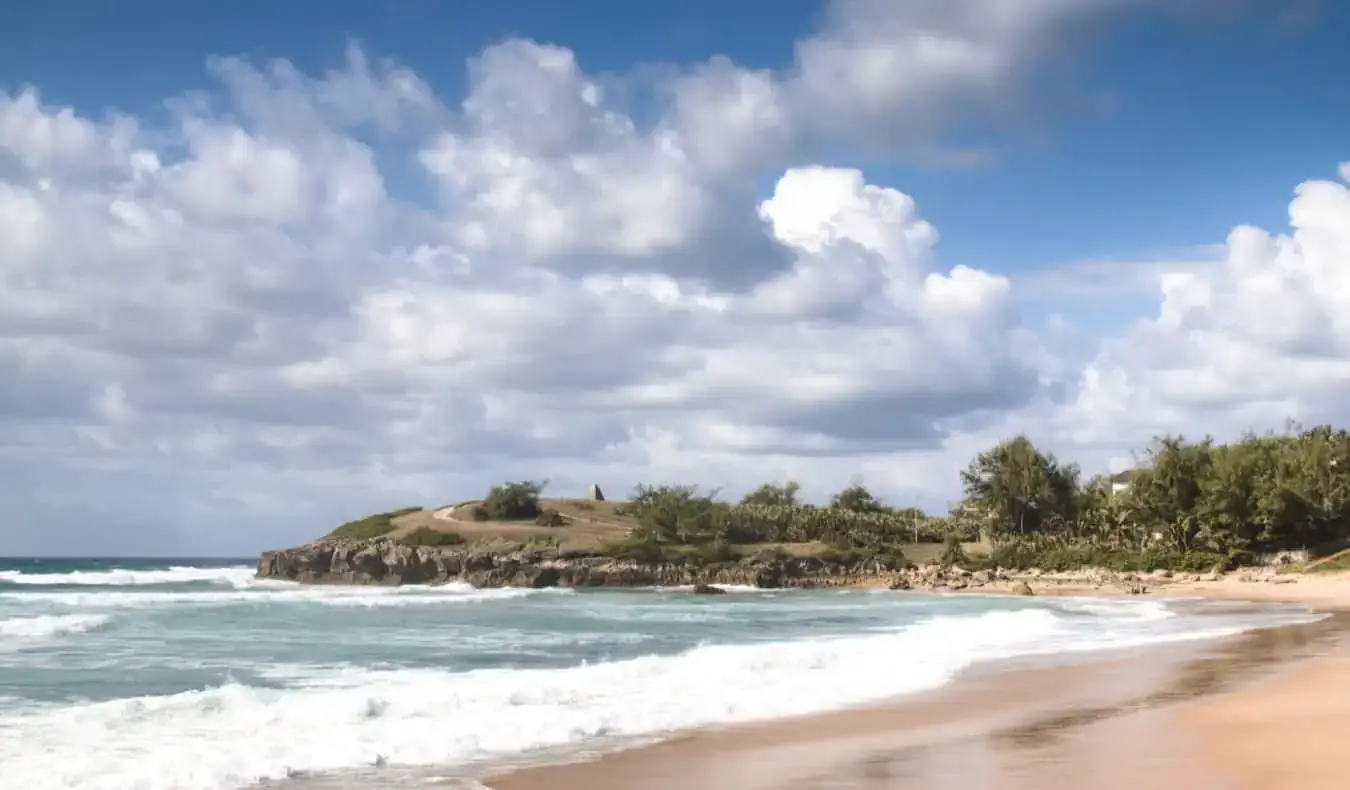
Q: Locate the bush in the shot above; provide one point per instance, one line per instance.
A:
(426, 536)
(512, 501)
(952, 553)
(1022, 555)
(550, 518)
(636, 550)
(480, 513)
(678, 515)
(717, 551)
(371, 526)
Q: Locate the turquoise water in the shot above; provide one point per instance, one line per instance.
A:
(187, 674)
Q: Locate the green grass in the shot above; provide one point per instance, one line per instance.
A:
(371, 526)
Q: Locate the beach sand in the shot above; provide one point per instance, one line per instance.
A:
(1261, 711)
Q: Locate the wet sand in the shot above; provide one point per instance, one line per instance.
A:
(1261, 711)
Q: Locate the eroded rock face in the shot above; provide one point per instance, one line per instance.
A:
(385, 561)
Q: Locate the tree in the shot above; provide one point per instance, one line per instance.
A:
(678, 515)
(857, 499)
(773, 495)
(1167, 492)
(1020, 489)
(512, 501)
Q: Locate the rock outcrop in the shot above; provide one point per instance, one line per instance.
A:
(385, 561)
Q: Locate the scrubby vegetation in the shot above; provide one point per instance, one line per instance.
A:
(371, 526)
(426, 536)
(680, 523)
(550, 517)
(1188, 505)
(510, 502)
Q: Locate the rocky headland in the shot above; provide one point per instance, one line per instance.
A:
(389, 562)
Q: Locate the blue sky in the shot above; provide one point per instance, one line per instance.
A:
(225, 328)
(1171, 131)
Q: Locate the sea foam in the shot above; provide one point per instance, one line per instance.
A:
(361, 597)
(234, 735)
(235, 576)
(51, 625)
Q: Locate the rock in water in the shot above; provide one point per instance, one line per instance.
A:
(708, 589)
(594, 494)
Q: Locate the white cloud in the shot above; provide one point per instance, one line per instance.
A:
(1261, 335)
(227, 332)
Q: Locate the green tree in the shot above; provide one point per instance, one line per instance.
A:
(1020, 489)
(512, 501)
(858, 499)
(1167, 493)
(679, 515)
(773, 495)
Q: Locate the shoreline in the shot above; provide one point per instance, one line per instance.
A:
(1165, 711)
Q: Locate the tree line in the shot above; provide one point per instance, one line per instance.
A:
(1260, 494)
(1185, 504)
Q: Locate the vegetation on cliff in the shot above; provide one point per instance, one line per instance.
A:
(510, 502)
(1189, 505)
(371, 526)
(426, 536)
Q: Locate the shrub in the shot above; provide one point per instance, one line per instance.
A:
(550, 518)
(636, 550)
(1021, 555)
(952, 553)
(856, 498)
(512, 501)
(717, 551)
(426, 536)
(371, 526)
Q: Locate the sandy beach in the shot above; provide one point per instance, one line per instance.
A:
(1260, 711)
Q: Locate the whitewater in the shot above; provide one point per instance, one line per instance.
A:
(194, 675)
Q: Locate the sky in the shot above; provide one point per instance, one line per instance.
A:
(266, 268)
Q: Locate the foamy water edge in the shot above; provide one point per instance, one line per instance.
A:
(344, 718)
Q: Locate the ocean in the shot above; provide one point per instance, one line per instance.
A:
(193, 675)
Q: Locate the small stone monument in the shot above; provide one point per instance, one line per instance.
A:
(594, 494)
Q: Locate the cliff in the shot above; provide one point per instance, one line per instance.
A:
(385, 561)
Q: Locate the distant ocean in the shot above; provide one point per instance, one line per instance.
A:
(191, 674)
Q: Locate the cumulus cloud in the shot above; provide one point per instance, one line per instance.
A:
(230, 331)
(1260, 335)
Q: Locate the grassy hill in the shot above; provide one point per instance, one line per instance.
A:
(586, 525)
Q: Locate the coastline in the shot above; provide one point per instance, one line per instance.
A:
(1210, 715)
